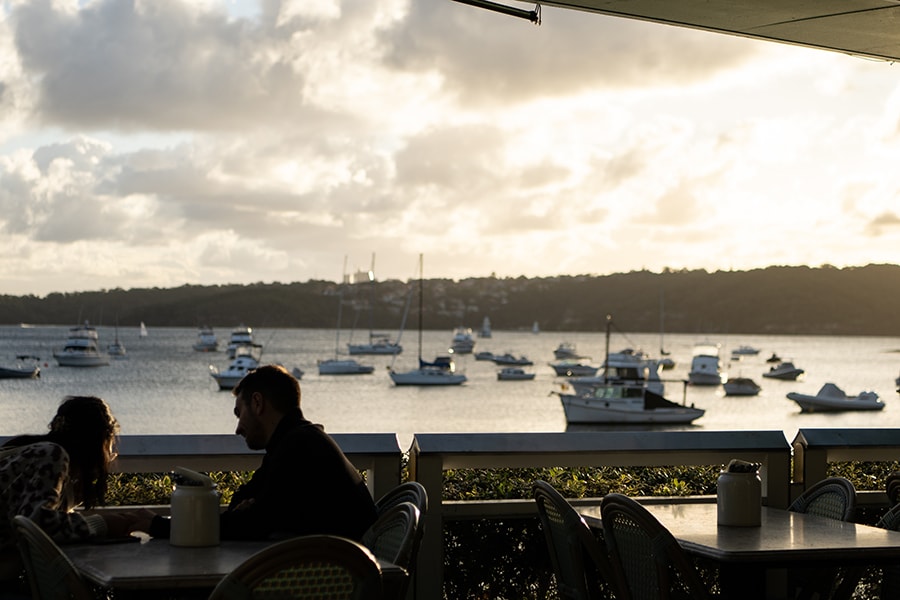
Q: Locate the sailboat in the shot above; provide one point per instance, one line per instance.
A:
(665, 361)
(342, 366)
(439, 372)
(117, 348)
(378, 343)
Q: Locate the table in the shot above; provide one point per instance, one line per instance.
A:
(747, 555)
(152, 565)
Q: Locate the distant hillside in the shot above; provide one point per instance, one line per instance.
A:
(777, 300)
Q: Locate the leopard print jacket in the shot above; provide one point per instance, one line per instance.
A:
(34, 481)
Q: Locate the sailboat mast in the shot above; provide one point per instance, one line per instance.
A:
(606, 360)
(372, 298)
(421, 302)
(337, 332)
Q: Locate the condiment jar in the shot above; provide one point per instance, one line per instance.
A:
(739, 496)
(194, 510)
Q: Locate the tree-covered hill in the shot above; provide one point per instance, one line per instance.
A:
(785, 300)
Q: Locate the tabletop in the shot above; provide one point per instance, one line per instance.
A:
(156, 564)
(782, 536)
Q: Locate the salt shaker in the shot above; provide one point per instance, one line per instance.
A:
(739, 495)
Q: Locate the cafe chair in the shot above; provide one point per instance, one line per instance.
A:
(645, 555)
(410, 491)
(580, 563)
(833, 498)
(892, 487)
(395, 538)
(50, 573)
(308, 567)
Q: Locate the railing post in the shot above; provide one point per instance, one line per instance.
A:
(429, 471)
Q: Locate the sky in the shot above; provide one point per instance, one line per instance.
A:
(158, 143)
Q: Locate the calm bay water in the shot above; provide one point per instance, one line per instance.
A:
(164, 387)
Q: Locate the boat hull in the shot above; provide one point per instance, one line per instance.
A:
(19, 373)
(427, 377)
(624, 410)
(344, 367)
(379, 349)
(810, 404)
(66, 359)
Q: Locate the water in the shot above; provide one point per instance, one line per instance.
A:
(164, 387)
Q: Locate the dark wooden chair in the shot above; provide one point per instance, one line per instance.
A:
(645, 555)
(580, 562)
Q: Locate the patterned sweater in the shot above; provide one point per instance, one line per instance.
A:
(34, 481)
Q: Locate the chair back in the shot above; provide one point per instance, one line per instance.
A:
(580, 563)
(410, 491)
(834, 497)
(645, 555)
(393, 537)
(51, 575)
(312, 567)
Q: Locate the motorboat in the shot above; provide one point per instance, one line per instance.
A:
(785, 371)
(741, 386)
(297, 372)
(624, 367)
(486, 331)
(774, 358)
(745, 351)
(462, 342)
(245, 360)
(26, 367)
(618, 403)
(484, 355)
(442, 371)
(572, 368)
(508, 359)
(241, 336)
(831, 398)
(566, 350)
(343, 366)
(206, 340)
(706, 368)
(81, 349)
(514, 374)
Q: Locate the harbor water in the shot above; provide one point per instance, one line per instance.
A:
(164, 386)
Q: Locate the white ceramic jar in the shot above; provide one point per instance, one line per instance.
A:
(739, 499)
(194, 512)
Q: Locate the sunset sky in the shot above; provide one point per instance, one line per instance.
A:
(156, 143)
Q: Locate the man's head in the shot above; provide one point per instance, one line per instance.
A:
(261, 399)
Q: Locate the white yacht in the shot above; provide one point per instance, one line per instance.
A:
(706, 367)
(81, 349)
(624, 403)
(343, 366)
(206, 340)
(462, 342)
(240, 336)
(245, 360)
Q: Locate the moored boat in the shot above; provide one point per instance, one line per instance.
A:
(81, 349)
(343, 366)
(245, 360)
(614, 403)
(566, 350)
(26, 367)
(570, 368)
(706, 368)
(785, 371)
(241, 336)
(206, 340)
(486, 331)
(510, 360)
(514, 374)
(741, 386)
(831, 398)
(462, 342)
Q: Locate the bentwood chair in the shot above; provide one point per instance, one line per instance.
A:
(410, 491)
(310, 567)
(580, 563)
(833, 498)
(645, 555)
(51, 575)
(394, 537)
